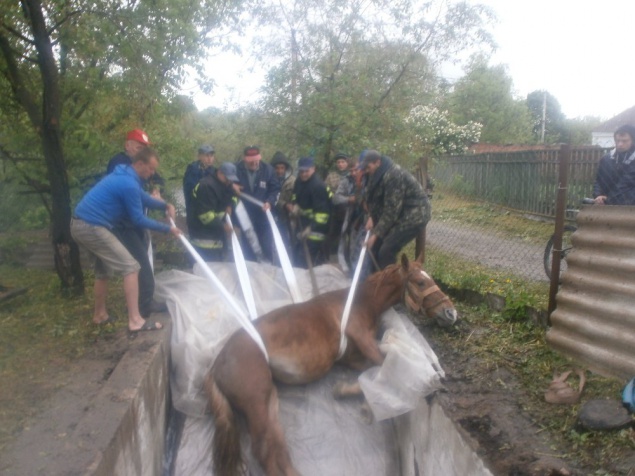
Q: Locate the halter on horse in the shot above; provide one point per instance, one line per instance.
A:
(302, 341)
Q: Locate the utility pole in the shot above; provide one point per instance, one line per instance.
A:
(294, 75)
(544, 116)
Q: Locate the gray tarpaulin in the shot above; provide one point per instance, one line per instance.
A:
(325, 436)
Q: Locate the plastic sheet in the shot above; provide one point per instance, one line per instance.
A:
(325, 436)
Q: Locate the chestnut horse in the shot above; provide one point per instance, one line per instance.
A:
(302, 341)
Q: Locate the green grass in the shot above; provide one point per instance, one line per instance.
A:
(447, 207)
(40, 332)
(521, 348)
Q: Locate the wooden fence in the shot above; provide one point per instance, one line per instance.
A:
(525, 181)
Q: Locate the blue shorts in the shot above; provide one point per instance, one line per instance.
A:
(109, 254)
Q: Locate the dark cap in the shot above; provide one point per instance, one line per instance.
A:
(341, 155)
(251, 151)
(367, 156)
(305, 163)
(229, 171)
(206, 149)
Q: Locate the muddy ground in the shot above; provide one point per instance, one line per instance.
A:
(509, 421)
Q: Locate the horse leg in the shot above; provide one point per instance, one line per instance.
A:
(244, 376)
(367, 345)
(267, 436)
(226, 444)
(343, 390)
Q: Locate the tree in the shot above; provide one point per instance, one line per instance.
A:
(346, 74)
(579, 130)
(552, 129)
(77, 69)
(484, 95)
(434, 133)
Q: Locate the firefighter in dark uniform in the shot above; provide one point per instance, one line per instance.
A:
(397, 204)
(212, 198)
(311, 207)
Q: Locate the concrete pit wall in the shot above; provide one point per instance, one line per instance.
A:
(429, 439)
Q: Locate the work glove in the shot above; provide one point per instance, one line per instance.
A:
(304, 234)
(296, 211)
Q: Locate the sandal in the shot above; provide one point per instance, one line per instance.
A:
(147, 326)
(108, 320)
(561, 392)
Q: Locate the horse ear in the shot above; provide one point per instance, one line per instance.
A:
(404, 261)
(420, 258)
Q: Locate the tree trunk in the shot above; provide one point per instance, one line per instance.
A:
(66, 251)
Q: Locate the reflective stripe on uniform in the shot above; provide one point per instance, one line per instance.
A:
(207, 244)
(321, 218)
(209, 217)
(316, 236)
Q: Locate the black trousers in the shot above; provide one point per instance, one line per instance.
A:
(386, 250)
(317, 252)
(136, 242)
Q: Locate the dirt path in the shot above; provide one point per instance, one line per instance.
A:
(489, 249)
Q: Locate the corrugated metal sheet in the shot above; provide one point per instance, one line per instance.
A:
(594, 320)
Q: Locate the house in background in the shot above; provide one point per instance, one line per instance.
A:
(602, 135)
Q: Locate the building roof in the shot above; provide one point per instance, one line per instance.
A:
(485, 148)
(625, 117)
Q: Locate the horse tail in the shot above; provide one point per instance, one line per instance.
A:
(226, 444)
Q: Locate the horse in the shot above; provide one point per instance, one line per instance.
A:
(302, 341)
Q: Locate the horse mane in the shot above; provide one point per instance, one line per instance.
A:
(378, 278)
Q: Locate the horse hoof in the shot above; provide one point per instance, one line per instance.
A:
(345, 390)
(367, 414)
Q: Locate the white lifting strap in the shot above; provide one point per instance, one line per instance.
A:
(239, 312)
(349, 299)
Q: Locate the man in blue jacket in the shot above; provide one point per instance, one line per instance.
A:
(259, 180)
(135, 239)
(615, 180)
(118, 197)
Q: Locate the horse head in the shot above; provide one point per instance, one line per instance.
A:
(423, 296)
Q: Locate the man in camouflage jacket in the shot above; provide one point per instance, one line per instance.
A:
(397, 205)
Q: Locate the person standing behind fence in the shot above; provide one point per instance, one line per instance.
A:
(615, 179)
(116, 198)
(213, 198)
(397, 205)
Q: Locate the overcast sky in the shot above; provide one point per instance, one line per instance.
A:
(581, 52)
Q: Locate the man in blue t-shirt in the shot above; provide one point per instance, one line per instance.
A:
(116, 198)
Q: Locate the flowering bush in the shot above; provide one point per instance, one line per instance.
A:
(433, 132)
